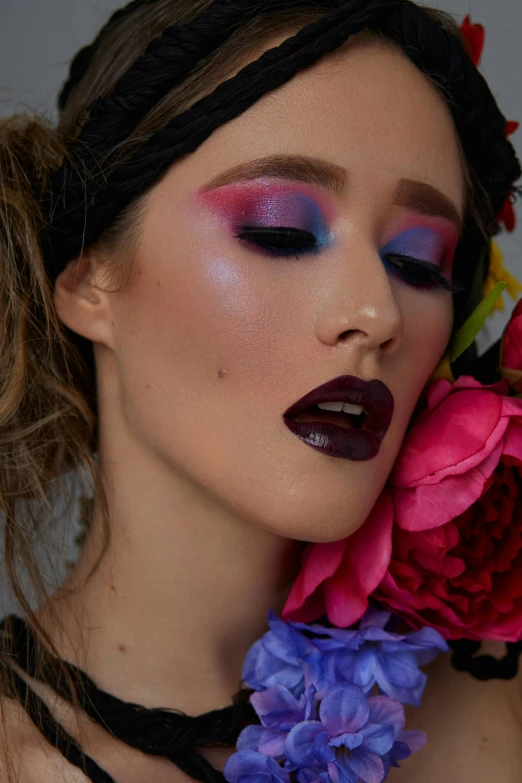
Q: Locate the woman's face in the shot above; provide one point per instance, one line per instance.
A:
(228, 321)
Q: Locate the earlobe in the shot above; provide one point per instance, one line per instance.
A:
(81, 304)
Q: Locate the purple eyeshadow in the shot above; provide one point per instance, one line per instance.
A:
(289, 210)
(419, 242)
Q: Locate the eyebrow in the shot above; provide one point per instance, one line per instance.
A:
(426, 200)
(302, 168)
(416, 196)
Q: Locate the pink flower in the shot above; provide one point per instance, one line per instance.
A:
(337, 578)
(456, 557)
(452, 449)
(511, 357)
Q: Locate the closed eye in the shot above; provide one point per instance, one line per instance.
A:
(280, 240)
(420, 273)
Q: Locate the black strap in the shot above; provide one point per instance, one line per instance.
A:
(55, 734)
(485, 667)
(157, 732)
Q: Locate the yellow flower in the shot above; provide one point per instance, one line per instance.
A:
(442, 370)
(498, 272)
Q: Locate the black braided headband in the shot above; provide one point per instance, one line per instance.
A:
(84, 202)
(83, 59)
(167, 61)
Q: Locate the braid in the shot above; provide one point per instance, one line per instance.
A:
(83, 59)
(166, 63)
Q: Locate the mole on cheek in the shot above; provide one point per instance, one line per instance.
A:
(222, 373)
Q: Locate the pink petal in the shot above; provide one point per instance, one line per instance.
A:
(320, 561)
(431, 505)
(512, 342)
(512, 406)
(437, 392)
(455, 436)
(513, 440)
(366, 558)
(469, 382)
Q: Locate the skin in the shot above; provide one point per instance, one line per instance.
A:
(209, 493)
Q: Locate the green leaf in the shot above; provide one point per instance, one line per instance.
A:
(469, 330)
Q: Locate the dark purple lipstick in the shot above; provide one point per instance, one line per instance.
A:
(354, 433)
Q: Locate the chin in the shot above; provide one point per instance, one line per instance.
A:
(316, 518)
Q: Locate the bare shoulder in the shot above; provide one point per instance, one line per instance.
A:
(25, 756)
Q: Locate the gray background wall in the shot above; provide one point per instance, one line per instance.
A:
(39, 37)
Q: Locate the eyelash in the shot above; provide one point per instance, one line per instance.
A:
(279, 241)
(293, 241)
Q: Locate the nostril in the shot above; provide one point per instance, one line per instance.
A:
(344, 336)
(388, 344)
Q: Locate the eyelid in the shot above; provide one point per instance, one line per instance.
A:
(286, 203)
(421, 242)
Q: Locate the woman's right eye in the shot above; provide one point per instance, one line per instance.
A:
(279, 241)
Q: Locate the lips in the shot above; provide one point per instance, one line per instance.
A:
(358, 444)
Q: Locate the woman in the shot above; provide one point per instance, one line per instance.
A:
(314, 237)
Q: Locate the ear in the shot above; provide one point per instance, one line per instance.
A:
(81, 304)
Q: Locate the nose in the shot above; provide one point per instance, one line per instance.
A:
(359, 304)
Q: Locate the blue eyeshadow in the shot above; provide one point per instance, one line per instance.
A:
(419, 242)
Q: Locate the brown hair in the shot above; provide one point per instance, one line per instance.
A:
(47, 403)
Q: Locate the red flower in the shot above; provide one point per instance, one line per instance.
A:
(507, 215)
(464, 578)
(511, 127)
(474, 35)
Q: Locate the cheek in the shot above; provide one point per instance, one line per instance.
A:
(201, 315)
(428, 326)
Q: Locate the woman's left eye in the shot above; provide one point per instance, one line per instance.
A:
(279, 241)
(419, 273)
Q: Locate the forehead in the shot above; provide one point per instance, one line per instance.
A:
(365, 107)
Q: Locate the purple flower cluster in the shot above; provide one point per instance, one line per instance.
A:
(369, 656)
(319, 721)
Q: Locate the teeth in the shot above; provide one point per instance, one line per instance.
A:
(330, 406)
(354, 410)
(346, 407)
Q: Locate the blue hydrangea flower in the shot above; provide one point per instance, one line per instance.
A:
(247, 766)
(279, 711)
(317, 723)
(372, 656)
(348, 740)
(366, 657)
(384, 710)
(408, 742)
(283, 656)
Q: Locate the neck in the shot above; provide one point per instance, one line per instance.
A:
(181, 593)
